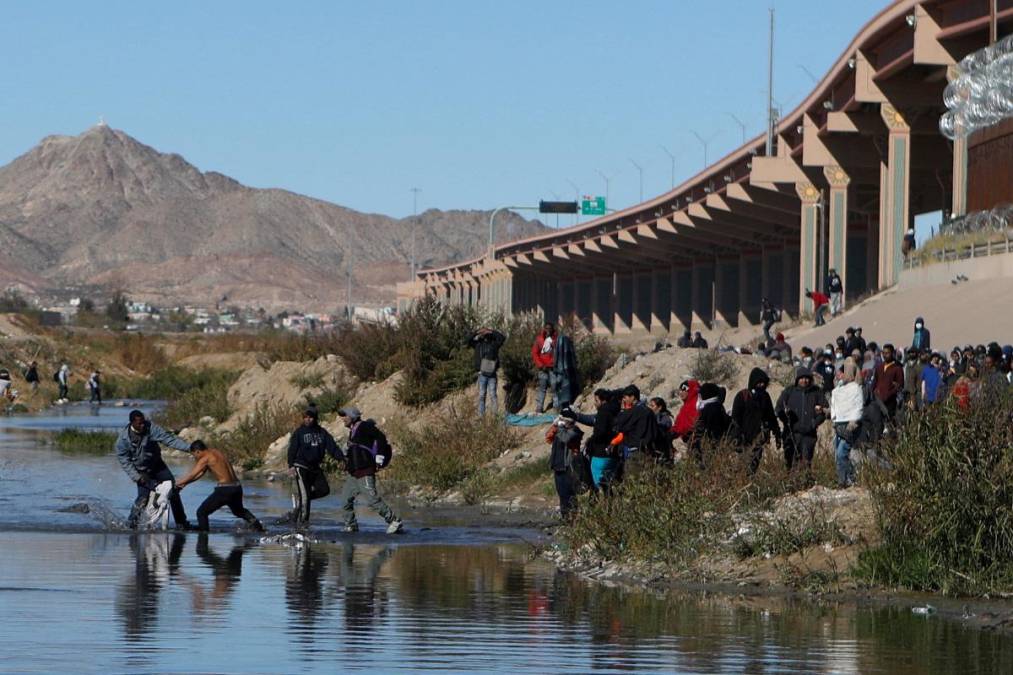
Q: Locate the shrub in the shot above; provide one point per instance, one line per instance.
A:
(247, 444)
(331, 399)
(77, 442)
(945, 502)
(192, 394)
(442, 456)
(307, 380)
(714, 366)
(674, 514)
(369, 351)
(782, 536)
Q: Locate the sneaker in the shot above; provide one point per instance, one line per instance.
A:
(258, 526)
(395, 526)
(351, 528)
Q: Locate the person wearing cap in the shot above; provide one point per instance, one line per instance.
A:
(362, 457)
(140, 456)
(802, 408)
(307, 447)
(846, 405)
(228, 492)
(835, 287)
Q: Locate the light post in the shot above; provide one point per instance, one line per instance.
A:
(704, 143)
(640, 170)
(492, 218)
(742, 125)
(671, 157)
(607, 179)
(576, 198)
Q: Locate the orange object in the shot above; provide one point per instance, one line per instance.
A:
(618, 439)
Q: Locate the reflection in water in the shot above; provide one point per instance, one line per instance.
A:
(428, 607)
(156, 561)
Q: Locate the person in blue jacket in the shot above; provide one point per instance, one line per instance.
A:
(139, 453)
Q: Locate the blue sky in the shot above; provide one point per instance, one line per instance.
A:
(478, 103)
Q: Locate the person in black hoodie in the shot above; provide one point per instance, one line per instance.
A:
(604, 458)
(486, 343)
(636, 426)
(307, 447)
(753, 418)
(367, 445)
(713, 422)
(802, 408)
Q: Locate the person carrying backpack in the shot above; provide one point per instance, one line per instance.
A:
(753, 418)
(307, 447)
(368, 451)
(62, 379)
(487, 342)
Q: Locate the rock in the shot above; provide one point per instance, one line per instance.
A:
(207, 422)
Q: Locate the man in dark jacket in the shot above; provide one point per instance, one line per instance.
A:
(140, 456)
(768, 316)
(307, 447)
(636, 426)
(888, 382)
(366, 445)
(802, 408)
(922, 339)
(826, 370)
(835, 289)
(686, 341)
(712, 423)
(753, 418)
(487, 343)
(698, 341)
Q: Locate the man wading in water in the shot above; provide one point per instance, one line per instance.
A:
(228, 492)
(140, 456)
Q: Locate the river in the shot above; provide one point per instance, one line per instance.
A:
(77, 595)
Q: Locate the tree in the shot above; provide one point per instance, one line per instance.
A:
(87, 305)
(117, 310)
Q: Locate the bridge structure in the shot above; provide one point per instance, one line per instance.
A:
(852, 165)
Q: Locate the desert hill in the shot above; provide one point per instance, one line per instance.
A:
(102, 209)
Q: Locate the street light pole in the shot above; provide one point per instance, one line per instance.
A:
(607, 180)
(671, 157)
(415, 216)
(742, 125)
(704, 143)
(576, 198)
(640, 170)
(492, 217)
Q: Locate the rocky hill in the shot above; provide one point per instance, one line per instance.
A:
(102, 209)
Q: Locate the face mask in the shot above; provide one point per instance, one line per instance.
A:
(840, 355)
(919, 326)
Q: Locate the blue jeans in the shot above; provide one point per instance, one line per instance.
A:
(486, 383)
(842, 456)
(546, 380)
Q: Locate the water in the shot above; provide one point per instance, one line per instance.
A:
(75, 597)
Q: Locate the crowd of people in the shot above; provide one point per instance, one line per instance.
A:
(864, 390)
(30, 374)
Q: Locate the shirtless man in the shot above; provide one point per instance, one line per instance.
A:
(228, 492)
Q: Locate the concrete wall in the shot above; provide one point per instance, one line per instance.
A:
(934, 274)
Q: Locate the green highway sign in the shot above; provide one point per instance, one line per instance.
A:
(592, 206)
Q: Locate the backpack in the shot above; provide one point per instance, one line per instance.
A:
(383, 452)
(777, 314)
(56, 377)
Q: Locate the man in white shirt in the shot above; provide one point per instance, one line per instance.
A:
(846, 404)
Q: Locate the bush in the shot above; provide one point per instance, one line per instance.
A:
(77, 442)
(140, 353)
(247, 444)
(331, 399)
(192, 394)
(441, 457)
(714, 366)
(945, 502)
(307, 380)
(369, 352)
(675, 514)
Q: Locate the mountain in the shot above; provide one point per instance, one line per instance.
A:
(103, 210)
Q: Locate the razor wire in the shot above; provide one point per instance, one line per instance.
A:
(998, 219)
(982, 93)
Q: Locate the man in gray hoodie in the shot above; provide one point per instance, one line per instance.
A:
(140, 456)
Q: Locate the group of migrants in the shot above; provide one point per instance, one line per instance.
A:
(30, 374)
(864, 390)
(139, 452)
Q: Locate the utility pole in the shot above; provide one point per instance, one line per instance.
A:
(415, 226)
(671, 157)
(640, 170)
(770, 89)
(704, 143)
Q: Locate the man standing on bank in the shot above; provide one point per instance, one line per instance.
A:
(486, 343)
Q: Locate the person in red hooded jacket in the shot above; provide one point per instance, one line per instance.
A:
(685, 420)
(543, 353)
